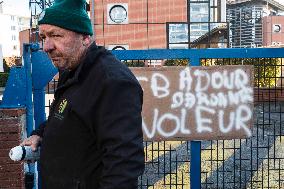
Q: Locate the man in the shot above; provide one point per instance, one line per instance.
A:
(93, 137)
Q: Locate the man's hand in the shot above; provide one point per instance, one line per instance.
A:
(33, 141)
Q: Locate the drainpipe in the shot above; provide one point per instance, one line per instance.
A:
(93, 15)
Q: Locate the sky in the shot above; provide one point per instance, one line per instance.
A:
(22, 6)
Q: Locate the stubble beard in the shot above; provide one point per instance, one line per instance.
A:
(67, 62)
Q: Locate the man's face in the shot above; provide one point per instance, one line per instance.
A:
(64, 47)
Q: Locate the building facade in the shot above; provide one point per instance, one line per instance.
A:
(151, 24)
(245, 18)
(273, 31)
(1, 59)
(11, 24)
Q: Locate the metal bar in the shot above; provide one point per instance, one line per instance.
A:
(42, 68)
(195, 165)
(39, 109)
(29, 103)
(195, 146)
(15, 89)
(239, 172)
(156, 54)
(29, 100)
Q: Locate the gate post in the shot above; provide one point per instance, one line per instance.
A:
(43, 71)
(195, 165)
(29, 103)
(195, 149)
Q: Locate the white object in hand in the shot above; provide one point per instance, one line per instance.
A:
(19, 153)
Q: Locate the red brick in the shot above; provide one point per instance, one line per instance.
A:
(11, 173)
(7, 160)
(4, 153)
(12, 167)
(9, 121)
(159, 11)
(10, 137)
(8, 144)
(264, 95)
(11, 112)
(11, 176)
(10, 128)
(137, 45)
(11, 184)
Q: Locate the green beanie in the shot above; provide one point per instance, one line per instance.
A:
(68, 14)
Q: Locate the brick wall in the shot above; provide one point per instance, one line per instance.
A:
(147, 23)
(268, 94)
(25, 37)
(12, 123)
(269, 36)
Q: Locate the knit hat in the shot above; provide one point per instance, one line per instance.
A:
(68, 14)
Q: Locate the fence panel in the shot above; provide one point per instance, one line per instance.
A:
(257, 162)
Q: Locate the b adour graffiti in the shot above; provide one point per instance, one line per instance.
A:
(197, 103)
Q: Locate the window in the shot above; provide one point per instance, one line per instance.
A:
(1, 9)
(199, 12)
(276, 28)
(13, 37)
(195, 27)
(118, 47)
(204, 18)
(117, 13)
(178, 46)
(12, 18)
(204, 27)
(13, 28)
(15, 47)
(178, 33)
(195, 8)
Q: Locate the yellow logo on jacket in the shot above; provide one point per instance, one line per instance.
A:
(62, 106)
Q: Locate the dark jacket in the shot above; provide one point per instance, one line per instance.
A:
(93, 136)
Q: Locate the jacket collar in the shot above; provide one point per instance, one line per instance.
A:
(88, 60)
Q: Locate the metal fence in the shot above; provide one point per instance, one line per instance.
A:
(257, 162)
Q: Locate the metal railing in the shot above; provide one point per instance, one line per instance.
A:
(257, 162)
